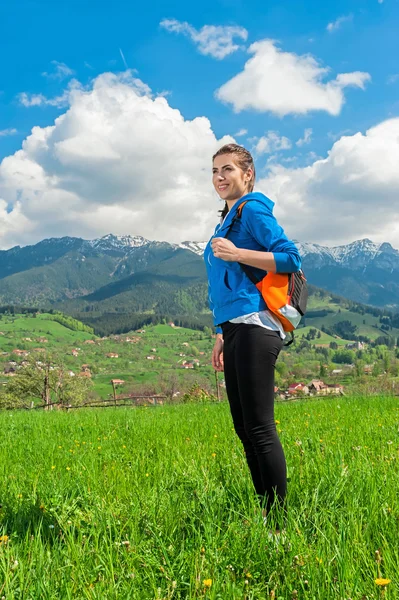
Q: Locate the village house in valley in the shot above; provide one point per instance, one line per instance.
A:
(315, 388)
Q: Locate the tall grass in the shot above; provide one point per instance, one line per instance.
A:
(157, 503)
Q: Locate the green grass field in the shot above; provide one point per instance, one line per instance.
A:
(157, 503)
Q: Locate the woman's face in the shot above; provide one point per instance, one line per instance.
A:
(229, 181)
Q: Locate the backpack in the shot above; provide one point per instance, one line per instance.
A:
(285, 294)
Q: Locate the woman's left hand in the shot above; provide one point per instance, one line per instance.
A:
(225, 249)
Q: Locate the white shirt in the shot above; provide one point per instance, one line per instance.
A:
(263, 318)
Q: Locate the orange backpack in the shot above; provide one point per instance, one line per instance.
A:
(285, 294)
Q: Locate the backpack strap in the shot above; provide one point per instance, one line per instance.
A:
(245, 268)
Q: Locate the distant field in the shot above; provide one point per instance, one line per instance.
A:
(131, 365)
(40, 326)
(157, 503)
(324, 339)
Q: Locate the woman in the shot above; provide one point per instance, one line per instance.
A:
(248, 337)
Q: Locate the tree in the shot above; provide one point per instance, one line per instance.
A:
(49, 381)
(344, 357)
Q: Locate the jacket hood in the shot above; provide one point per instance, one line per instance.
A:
(260, 197)
(252, 196)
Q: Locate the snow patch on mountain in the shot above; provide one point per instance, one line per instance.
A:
(196, 247)
(120, 242)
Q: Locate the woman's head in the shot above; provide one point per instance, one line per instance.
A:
(233, 172)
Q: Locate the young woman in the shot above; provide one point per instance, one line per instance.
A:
(248, 337)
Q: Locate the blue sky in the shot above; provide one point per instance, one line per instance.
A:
(47, 44)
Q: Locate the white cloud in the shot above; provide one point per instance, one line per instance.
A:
(61, 71)
(335, 25)
(271, 142)
(351, 194)
(118, 160)
(307, 138)
(61, 101)
(283, 83)
(213, 40)
(7, 132)
(393, 78)
(241, 132)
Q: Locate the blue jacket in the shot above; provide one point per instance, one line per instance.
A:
(230, 292)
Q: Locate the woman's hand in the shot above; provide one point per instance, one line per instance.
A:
(225, 249)
(217, 354)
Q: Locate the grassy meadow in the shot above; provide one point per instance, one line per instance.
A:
(157, 503)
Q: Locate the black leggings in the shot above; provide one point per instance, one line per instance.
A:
(250, 353)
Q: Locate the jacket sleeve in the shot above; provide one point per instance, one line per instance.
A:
(211, 305)
(263, 226)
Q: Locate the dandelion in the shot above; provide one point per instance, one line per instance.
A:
(3, 539)
(213, 454)
(277, 422)
(53, 467)
(381, 581)
(147, 474)
(207, 583)
(68, 468)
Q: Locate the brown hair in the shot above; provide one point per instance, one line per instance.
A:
(243, 160)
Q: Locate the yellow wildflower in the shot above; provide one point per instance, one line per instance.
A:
(53, 467)
(207, 583)
(382, 581)
(68, 468)
(3, 539)
(213, 454)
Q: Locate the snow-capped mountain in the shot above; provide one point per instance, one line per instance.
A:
(357, 255)
(59, 268)
(196, 247)
(118, 241)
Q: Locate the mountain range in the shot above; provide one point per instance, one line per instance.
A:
(131, 273)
